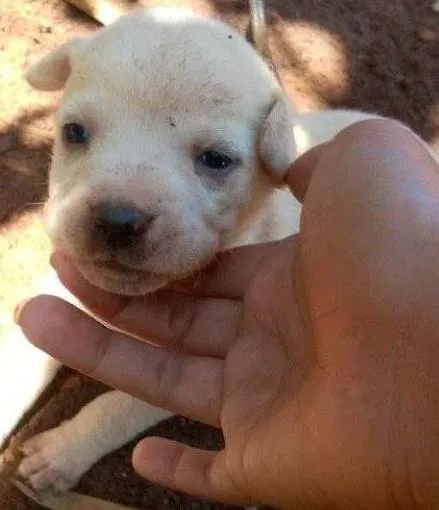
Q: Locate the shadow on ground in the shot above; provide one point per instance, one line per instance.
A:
(23, 168)
(391, 53)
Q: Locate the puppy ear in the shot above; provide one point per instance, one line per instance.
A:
(277, 147)
(52, 71)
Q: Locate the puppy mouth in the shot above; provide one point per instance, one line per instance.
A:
(114, 276)
(121, 279)
(114, 266)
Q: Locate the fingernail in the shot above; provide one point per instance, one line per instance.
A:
(19, 308)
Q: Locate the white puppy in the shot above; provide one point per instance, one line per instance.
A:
(172, 141)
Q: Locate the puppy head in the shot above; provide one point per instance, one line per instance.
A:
(170, 135)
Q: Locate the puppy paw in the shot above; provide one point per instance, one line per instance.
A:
(52, 461)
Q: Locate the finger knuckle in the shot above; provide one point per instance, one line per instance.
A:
(167, 377)
(180, 323)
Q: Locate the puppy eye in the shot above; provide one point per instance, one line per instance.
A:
(75, 133)
(215, 160)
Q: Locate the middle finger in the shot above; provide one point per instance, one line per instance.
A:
(186, 323)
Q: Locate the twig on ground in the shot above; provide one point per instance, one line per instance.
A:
(103, 11)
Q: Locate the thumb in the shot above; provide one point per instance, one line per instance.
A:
(299, 174)
(182, 468)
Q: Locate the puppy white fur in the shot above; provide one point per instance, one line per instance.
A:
(184, 137)
(171, 100)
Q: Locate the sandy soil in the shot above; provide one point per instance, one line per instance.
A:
(380, 55)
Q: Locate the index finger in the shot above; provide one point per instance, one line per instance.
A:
(162, 377)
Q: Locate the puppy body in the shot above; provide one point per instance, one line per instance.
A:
(184, 138)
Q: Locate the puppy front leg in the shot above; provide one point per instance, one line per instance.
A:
(56, 459)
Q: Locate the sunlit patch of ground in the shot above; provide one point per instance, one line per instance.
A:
(24, 255)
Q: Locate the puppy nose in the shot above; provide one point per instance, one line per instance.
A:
(119, 225)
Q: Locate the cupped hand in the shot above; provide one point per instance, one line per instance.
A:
(316, 355)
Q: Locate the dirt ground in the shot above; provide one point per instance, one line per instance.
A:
(379, 55)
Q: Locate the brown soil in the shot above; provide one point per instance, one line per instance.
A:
(380, 55)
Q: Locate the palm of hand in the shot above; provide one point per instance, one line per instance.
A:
(263, 370)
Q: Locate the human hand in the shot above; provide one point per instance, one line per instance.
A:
(316, 355)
